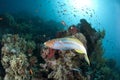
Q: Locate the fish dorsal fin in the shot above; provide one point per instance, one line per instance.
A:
(79, 51)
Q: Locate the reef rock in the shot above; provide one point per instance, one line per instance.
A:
(14, 60)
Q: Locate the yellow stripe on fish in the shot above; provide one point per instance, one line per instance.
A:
(68, 44)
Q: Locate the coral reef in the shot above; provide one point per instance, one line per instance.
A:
(64, 63)
(27, 59)
(14, 60)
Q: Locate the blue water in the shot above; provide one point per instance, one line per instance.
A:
(101, 14)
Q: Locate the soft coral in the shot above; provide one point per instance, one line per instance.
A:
(51, 53)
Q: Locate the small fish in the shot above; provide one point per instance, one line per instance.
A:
(90, 15)
(65, 10)
(31, 72)
(63, 13)
(74, 15)
(68, 44)
(58, 2)
(86, 12)
(63, 23)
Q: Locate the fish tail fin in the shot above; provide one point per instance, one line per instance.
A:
(87, 59)
(85, 55)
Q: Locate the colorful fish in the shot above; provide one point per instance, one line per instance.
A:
(68, 44)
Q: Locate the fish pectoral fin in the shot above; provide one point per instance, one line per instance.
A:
(79, 51)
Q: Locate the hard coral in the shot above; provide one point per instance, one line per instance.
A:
(14, 60)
